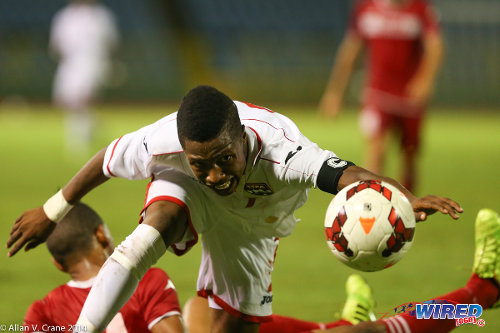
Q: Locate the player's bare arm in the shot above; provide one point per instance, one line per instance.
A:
(169, 219)
(34, 226)
(420, 87)
(341, 72)
(422, 206)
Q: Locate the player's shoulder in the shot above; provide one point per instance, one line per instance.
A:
(154, 280)
(266, 123)
(155, 276)
(55, 296)
(156, 273)
(161, 137)
(36, 313)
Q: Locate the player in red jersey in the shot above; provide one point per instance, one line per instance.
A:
(404, 45)
(80, 244)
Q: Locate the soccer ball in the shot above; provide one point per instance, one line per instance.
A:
(369, 225)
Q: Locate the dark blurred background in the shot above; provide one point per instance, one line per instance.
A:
(278, 51)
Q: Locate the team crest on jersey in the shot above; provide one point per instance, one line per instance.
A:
(258, 189)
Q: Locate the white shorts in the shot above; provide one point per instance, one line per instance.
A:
(237, 260)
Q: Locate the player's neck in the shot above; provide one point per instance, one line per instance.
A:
(84, 269)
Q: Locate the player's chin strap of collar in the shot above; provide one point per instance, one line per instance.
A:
(119, 277)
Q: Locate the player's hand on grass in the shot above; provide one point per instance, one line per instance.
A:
(430, 204)
(30, 229)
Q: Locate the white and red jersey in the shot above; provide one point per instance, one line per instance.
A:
(241, 230)
(154, 299)
(393, 35)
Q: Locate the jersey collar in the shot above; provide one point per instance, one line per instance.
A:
(81, 284)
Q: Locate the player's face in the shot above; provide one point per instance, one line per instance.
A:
(218, 163)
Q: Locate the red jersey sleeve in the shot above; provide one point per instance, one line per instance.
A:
(35, 317)
(430, 18)
(158, 296)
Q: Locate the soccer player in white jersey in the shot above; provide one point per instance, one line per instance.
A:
(231, 171)
(83, 37)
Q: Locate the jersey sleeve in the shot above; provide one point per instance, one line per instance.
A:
(145, 152)
(127, 157)
(297, 160)
(35, 317)
(301, 162)
(158, 297)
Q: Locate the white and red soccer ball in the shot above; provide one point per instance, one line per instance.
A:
(369, 225)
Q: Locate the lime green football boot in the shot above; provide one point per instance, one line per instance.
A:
(487, 253)
(359, 304)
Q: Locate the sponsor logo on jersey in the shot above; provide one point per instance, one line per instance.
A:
(258, 189)
(266, 299)
(335, 162)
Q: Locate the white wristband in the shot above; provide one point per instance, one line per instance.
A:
(56, 207)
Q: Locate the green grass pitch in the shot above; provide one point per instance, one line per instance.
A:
(460, 159)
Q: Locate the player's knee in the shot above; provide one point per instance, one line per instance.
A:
(195, 314)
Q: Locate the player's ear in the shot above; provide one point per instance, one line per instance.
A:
(58, 265)
(102, 236)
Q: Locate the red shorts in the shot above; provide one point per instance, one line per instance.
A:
(375, 122)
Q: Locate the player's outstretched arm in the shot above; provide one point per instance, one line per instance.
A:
(35, 225)
(422, 206)
(349, 50)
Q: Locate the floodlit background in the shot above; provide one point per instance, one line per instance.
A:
(273, 53)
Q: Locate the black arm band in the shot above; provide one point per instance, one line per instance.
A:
(329, 174)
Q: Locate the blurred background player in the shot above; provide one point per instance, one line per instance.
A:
(80, 244)
(83, 37)
(405, 48)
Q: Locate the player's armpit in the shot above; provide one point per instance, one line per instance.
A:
(169, 219)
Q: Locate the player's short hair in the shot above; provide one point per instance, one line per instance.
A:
(205, 113)
(74, 233)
